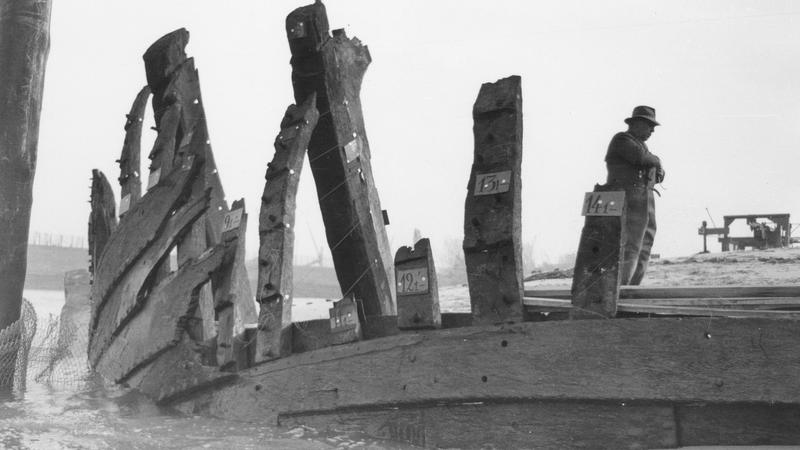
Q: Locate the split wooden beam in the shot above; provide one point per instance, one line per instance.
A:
(102, 218)
(493, 208)
(24, 45)
(339, 156)
(596, 279)
(130, 159)
(276, 231)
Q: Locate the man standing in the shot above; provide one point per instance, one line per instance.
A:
(632, 168)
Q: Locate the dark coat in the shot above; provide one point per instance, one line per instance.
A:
(630, 163)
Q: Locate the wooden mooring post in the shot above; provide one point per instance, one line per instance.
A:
(492, 211)
(276, 231)
(595, 283)
(339, 156)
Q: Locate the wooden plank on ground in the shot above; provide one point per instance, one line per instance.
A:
(645, 307)
(276, 231)
(339, 156)
(492, 210)
(645, 292)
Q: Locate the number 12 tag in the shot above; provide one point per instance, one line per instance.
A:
(412, 281)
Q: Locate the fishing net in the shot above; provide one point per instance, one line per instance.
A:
(49, 349)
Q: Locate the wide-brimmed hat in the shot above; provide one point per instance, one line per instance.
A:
(643, 112)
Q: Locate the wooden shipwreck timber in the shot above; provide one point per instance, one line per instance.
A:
(173, 315)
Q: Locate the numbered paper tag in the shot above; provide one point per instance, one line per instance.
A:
(232, 220)
(125, 204)
(492, 183)
(352, 150)
(153, 178)
(603, 203)
(412, 281)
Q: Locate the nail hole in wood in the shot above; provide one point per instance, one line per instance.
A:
(504, 343)
(484, 379)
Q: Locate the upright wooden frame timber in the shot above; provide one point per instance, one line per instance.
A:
(493, 208)
(332, 67)
(595, 282)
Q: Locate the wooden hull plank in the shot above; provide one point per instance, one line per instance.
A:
(276, 231)
(339, 156)
(141, 227)
(706, 360)
(125, 296)
(160, 324)
(178, 371)
(493, 207)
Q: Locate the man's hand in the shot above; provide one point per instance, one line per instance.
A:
(660, 175)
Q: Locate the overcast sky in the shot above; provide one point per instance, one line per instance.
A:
(722, 75)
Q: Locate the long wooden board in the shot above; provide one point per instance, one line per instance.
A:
(673, 309)
(709, 360)
(643, 292)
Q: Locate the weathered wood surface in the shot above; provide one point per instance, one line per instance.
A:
(24, 45)
(672, 309)
(161, 322)
(143, 226)
(130, 159)
(681, 292)
(232, 300)
(102, 218)
(493, 208)
(563, 424)
(131, 292)
(339, 156)
(178, 371)
(672, 360)
(417, 287)
(276, 230)
(505, 424)
(596, 279)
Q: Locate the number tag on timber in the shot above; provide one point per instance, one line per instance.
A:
(352, 150)
(125, 204)
(492, 183)
(412, 281)
(153, 178)
(232, 220)
(603, 203)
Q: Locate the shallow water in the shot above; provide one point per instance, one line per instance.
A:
(81, 412)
